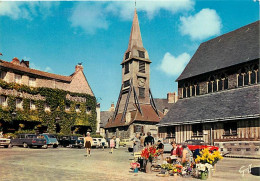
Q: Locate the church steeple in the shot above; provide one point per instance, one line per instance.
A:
(135, 36)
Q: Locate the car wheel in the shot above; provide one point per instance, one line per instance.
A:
(55, 146)
(6, 146)
(25, 145)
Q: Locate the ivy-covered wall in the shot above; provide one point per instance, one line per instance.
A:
(56, 100)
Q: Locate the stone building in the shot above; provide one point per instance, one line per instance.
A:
(136, 110)
(219, 93)
(33, 99)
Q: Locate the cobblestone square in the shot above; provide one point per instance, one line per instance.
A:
(72, 164)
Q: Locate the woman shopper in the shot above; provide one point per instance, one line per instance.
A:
(87, 143)
(112, 144)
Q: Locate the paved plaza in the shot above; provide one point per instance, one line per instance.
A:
(72, 164)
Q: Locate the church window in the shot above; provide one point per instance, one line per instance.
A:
(198, 90)
(184, 92)
(253, 77)
(141, 92)
(230, 128)
(141, 54)
(246, 79)
(142, 67)
(225, 84)
(127, 83)
(240, 80)
(127, 55)
(171, 132)
(197, 130)
(126, 67)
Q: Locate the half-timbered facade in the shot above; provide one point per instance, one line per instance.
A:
(219, 93)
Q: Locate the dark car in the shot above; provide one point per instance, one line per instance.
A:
(70, 141)
(29, 140)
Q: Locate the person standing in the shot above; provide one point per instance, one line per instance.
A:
(136, 143)
(160, 148)
(149, 140)
(103, 142)
(87, 143)
(112, 144)
(117, 142)
(142, 139)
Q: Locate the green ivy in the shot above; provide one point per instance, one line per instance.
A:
(56, 99)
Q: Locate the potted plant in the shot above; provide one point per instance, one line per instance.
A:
(135, 166)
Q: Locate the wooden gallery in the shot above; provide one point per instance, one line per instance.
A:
(218, 94)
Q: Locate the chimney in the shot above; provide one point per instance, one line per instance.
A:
(171, 97)
(112, 108)
(15, 61)
(78, 68)
(25, 63)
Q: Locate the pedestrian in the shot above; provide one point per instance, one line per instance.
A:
(149, 140)
(112, 144)
(137, 143)
(103, 142)
(160, 148)
(187, 156)
(117, 142)
(87, 143)
(142, 137)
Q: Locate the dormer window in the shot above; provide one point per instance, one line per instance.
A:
(141, 54)
(126, 67)
(127, 55)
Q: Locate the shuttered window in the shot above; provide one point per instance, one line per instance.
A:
(126, 67)
(142, 67)
(127, 83)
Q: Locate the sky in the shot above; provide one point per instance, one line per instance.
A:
(56, 36)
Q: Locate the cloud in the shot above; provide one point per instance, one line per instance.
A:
(46, 69)
(92, 16)
(89, 17)
(202, 25)
(26, 10)
(172, 65)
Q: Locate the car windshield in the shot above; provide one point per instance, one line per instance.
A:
(51, 136)
(31, 136)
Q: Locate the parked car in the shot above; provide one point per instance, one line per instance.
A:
(29, 140)
(199, 144)
(51, 140)
(96, 143)
(70, 141)
(192, 145)
(100, 141)
(124, 142)
(5, 142)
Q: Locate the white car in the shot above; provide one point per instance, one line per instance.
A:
(5, 142)
(96, 143)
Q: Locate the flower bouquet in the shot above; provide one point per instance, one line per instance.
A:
(135, 166)
(149, 153)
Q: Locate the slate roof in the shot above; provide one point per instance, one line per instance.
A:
(239, 103)
(238, 46)
(34, 71)
(148, 115)
(104, 116)
(161, 104)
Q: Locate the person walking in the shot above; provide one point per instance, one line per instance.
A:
(149, 140)
(117, 142)
(103, 142)
(87, 143)
(112, 144)
(136, 143)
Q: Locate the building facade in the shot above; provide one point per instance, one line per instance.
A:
(219, 94)
(31, 100)
(136, 111)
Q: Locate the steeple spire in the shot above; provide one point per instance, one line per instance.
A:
(135, 36)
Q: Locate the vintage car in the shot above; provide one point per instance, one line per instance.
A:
(29, 140)
(51, 140)
(125, 142)
(5, 142)
(192, 145)
(70, 141)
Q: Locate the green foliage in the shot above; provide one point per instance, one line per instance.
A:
(96, 136)
(57, 101)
